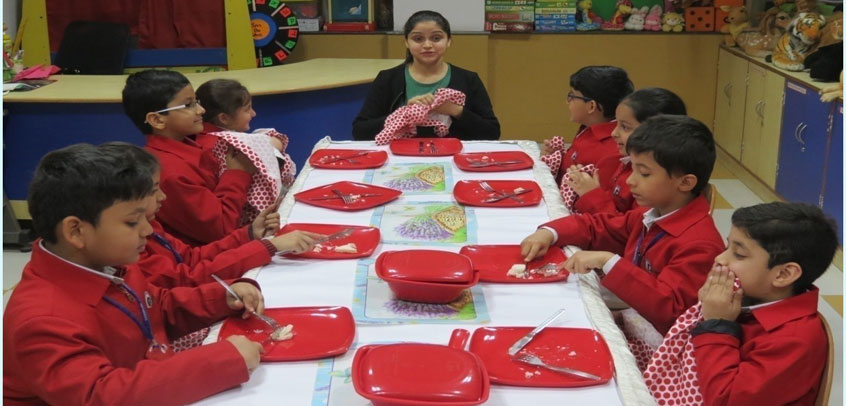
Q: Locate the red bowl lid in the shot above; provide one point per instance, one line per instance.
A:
(419, 372)
(425, 266)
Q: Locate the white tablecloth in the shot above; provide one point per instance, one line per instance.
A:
(330, 283)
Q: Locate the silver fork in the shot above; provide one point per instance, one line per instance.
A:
(552, 267)
(488, 188)
(270, 321)
(345, 198)
(534, 360)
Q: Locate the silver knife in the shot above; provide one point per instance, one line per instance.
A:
(348, 157)
(477, 164)
(517, 346)
(506, 196)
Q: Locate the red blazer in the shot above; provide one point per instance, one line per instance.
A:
(671, 272)
(227, 258)
(590, 146)
(64, 344)
(613, 194)
(200, 207)
(779, 361)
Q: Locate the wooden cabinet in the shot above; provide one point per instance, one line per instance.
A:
(761, 124)
(773, 123)
(804, 145)
(730, 102)
(832, 201)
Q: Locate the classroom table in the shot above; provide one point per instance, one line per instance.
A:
(306, 100)
(309, 282)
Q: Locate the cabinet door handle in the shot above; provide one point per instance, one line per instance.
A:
(727, 92)
(758, 108)
(799, 130)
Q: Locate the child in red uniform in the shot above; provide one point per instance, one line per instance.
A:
(606, 191)
(229, 107)
(168, 262)
(764, 343)
(82, 329)
(594, 94)
(203, 207)
(656, 257)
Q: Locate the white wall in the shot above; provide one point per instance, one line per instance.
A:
(463, 15)
(12, 16)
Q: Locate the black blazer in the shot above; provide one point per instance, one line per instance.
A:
(387, 94)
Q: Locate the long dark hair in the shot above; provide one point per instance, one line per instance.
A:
(423, 16)
(222, 96)
(652, 101)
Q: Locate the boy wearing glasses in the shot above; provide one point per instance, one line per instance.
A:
(592, 101)
(203, 206)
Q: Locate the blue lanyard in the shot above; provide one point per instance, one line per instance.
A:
(638, 255)
(165, 243)
(146, 327)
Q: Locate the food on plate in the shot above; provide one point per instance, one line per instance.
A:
(283, 333)
(348, 248)
(518, 271)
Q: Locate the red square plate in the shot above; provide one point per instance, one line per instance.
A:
(470, 193)
(494, 261)
(365, 196)
(347, 158)
(318, 332)
(577, 348)
(426, 146)
(494, 161)
(366, 239)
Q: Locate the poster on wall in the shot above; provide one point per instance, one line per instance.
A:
(351, 10)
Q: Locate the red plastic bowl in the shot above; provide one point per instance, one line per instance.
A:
(423, 291)
(411, 374)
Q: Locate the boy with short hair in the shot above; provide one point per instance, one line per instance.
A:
(204, 206)
(762, 343)
(657, 256)
(168, 262)
(595, 92)
(80, 328)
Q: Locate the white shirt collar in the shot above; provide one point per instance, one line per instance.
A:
(108, 272)
(758, 306)
(649, 218)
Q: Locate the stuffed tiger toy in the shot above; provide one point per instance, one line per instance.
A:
(796, 43)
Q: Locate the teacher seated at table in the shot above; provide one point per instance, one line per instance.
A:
(427, 37)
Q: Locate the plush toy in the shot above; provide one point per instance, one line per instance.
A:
(636, 20)
(672, 22)
(736, 21)
(832, 92)
(761, 41)
(826, 60)
(624, 8)
(653, 19)
(802, 33)
(586, 20)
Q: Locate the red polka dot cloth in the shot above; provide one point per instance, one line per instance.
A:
(641, 335)
(671, 373)
(568, 194)
(403, 122)
(553, 159)
(191, 340)
(266, 182)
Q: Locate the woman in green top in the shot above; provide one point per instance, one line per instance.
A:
(427, 38)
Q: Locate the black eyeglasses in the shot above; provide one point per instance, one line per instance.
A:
(571, 96)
